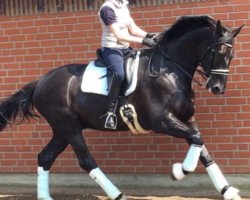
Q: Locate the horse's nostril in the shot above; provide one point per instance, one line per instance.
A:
(216, 90)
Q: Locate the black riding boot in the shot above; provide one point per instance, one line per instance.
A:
(113, 97)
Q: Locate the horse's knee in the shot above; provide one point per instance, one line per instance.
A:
(195, 139)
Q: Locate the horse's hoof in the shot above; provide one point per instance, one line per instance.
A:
(124, 198)
(47, 198)
(177, 172)
(236, 197)
(231, 194)
(173, 178)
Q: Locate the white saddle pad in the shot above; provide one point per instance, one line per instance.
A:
(94, 79)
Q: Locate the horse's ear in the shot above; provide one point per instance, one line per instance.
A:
(237, 30)
(219, 29)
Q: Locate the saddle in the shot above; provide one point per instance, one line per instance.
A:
(98, 75)
(95, 80)
(99, 62)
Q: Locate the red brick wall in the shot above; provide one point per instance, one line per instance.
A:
(30, 46)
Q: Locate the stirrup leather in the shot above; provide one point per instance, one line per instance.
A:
(111, 121)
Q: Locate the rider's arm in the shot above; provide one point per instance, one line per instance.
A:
(109, 18)
(136, 30)
(120, 36)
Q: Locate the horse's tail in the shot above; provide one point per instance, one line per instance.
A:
(18, 107)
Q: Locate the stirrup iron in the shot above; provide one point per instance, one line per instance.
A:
(111, 121)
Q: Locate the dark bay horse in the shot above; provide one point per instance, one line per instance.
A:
(163, 100)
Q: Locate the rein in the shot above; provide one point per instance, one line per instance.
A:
(205, 75)
(177, 64)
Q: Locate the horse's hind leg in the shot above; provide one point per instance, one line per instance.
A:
(87, 163)
(45, 160)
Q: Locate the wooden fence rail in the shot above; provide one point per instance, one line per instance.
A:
(33, 7)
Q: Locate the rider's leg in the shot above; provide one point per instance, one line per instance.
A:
(113, 96)
(114, 60)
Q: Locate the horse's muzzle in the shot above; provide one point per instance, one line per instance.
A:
(216, 88)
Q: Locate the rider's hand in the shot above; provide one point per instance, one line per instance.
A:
(151, 42)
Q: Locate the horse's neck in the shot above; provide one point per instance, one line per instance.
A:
(186, 50)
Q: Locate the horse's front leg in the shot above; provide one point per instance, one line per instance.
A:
(218, 179)
(172, 126)
(214, 172)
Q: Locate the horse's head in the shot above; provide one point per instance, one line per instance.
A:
(195, 40)
(217, 57)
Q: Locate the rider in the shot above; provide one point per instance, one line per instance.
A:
(118, 30)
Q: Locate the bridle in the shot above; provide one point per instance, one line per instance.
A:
(208, 53)
(228, 42)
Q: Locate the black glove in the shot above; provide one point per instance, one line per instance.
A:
(149, 42)
(151, 35)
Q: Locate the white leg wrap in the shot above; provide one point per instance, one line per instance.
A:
(104, 183)
(43, 184)
(177, 171)
(217, 177)
(230, 193)
(192, 158)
